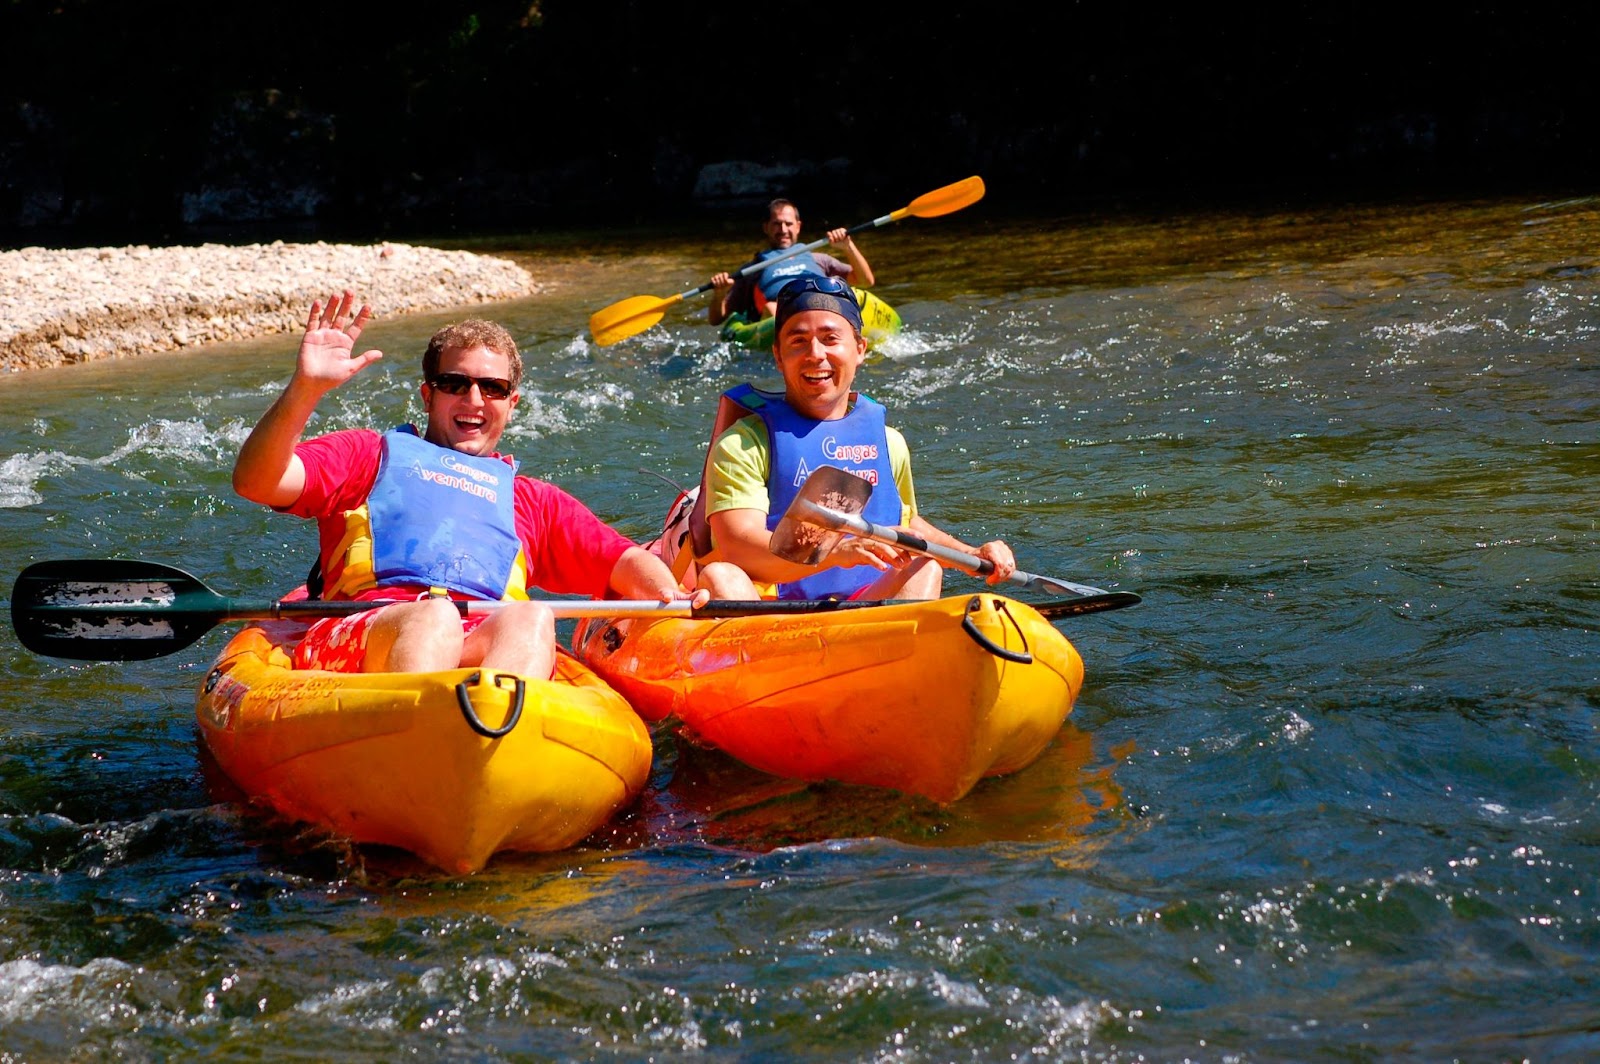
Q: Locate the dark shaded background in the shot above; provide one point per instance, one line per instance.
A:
(175, 120)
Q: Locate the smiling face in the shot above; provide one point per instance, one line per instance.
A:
(818, 353)
(470, 423)
(783, 226)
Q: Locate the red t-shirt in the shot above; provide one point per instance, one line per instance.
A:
(570, 551)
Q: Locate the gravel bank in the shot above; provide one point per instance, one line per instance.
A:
(77, 305)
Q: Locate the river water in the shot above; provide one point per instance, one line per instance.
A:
(1329, 792)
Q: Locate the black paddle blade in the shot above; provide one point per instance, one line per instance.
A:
(102, 610)
(1077, 607)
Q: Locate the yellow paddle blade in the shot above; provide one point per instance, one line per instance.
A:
(627, 318)
(946, 200)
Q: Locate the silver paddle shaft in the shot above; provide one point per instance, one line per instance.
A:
(840, 521)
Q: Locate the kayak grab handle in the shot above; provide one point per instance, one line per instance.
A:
(1021, 657)
(474, 721)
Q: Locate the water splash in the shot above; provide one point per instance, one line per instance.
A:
(20, 474)
(184, 442)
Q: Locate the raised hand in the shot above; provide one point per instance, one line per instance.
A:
(327, 351)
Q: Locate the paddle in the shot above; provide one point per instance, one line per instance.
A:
(109, 610)
(827, 507)
(637, 313)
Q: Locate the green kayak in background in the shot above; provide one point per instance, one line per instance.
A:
(878, 320)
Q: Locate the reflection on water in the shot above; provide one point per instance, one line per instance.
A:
(1329, 791)
(701, 796)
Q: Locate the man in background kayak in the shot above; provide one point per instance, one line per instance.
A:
(753, 293)
(766, 445)
(432, 516)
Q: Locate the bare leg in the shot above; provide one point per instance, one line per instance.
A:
(421, 636)
(922, 578)
(726, 581)
(519, 637)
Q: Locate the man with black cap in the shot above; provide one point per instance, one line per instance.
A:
(766, 444)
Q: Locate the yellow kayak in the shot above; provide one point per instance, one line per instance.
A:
(922, 697)
(878, 321)
(413, 759)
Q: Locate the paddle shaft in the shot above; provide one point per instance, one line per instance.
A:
(837, 519)
(758, 266)
(109, 610)
(716, 609)
(307, 609)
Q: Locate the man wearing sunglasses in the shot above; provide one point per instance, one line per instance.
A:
(752, 294)
(432, 515)
(764, 445)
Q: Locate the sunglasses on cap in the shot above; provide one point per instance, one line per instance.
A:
(831, 286)
(461, 384)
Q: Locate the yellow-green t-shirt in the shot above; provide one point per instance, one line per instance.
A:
(741, 460)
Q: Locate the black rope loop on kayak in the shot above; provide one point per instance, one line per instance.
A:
(1021, 657)
(474, 721)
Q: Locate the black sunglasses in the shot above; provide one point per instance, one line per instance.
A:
(461, 384)
(832, 286)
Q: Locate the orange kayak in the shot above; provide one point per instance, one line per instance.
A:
(410, 759)
(922, 697)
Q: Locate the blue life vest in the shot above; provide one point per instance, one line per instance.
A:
(441, 518)
(781, 273)
(857, 443)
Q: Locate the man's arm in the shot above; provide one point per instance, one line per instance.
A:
(267, 470)
(995, 550)
(862, 272)
(721, 289)
(639, 574)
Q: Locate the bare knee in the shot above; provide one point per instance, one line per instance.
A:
(415, 637)
(435, 617)
(518, 637)
(922, 578)
(726, 581)
(524, 619)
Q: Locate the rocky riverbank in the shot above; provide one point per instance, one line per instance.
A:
(65, 306)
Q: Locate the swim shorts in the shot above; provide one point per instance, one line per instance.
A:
(339, 644)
